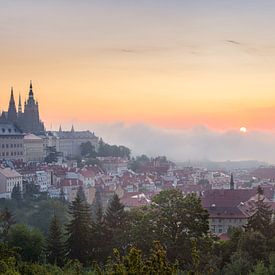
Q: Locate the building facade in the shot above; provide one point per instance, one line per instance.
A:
(11, 141)
(69, 142)
(34, 148)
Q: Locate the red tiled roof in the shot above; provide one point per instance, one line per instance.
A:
(71, 182)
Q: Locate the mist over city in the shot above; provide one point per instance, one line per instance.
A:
(137, 137)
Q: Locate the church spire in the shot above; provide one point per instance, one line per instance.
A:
(12, 114)
(30, 91)
(60, 128)
(232, 182)
(72, 130)
(19, 105)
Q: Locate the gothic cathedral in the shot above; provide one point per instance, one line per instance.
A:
(28, 119)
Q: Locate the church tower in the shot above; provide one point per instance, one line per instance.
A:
(232, 184)
(19, 106)
(12, 114)
(30, 122)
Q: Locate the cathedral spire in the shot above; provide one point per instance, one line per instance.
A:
(30, 91)
(72, 130)
(19, 105)
(12, 114)
(60, 128)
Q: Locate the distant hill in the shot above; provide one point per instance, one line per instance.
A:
(227, 165)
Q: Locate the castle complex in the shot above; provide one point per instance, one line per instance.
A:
(24, 137)
(28, 119)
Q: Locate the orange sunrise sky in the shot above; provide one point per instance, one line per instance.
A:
(173, 64)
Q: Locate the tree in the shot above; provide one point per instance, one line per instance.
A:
(98, 236)
(178, 221)
(30, 242)
(16, 193)
(81, 194)
(78, 231)
(115, 222)
(31, 191)
(8, 257)
(254, 244)
(134, 263)
(52, 154)
(6, 221)
(88, 150)
(259, 269)
(261, 219)
(62, 196)
(97, 204)
(239, 264)
(55, 249)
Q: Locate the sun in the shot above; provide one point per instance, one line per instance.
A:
(243, 130)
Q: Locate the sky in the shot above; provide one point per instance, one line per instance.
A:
(169, 65)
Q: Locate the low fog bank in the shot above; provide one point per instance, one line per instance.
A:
(197, 143)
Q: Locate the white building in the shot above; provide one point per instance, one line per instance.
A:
(8, 179)
(43, 180)
(69, 142)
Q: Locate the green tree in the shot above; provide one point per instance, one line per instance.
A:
(261, 219)
(239, 264)
(8, 258)
(62, 196)
(31, 191)
(52, 154)
(97, 204)
(253, 243)
(134, 263)
(16, 193)
(88, 150)
(116, 224)
(55, 249)
(178, 220)
(6, 221)
(78, 231)
(30, 242)
(81, 194)
(259, 269)
(98, 237)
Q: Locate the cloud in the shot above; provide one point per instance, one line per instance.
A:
(191, 144)
(233, 42)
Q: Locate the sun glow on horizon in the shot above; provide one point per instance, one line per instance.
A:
(243, 130)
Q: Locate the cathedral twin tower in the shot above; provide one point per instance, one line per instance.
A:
(28, 119)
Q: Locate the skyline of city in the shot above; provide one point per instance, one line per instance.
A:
(173, 64)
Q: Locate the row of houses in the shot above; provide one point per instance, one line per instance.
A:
(228, 206)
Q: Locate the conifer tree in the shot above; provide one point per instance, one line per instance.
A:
(80, 193)
(115, 222)
(99, 234)
(62, 197)
(79, 231)
(97, 207)
(261, 219)
(55, 246)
